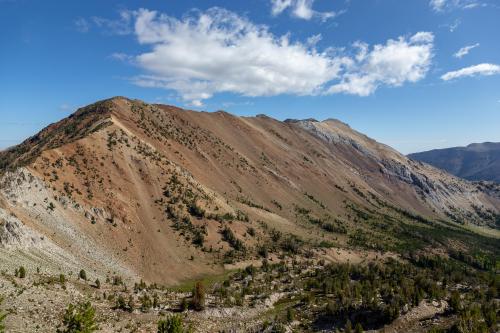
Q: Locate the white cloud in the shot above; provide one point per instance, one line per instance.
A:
(455, 25)
(314, 39)
(441, 5)
(82, 25)
(121, 26)
(301, 9)
(437, 5)
(393, 64)
(218, 51)
(278, 6)
(481, 69)
(196, 103)
(465, 50)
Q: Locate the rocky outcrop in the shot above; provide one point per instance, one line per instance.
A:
(14, 234)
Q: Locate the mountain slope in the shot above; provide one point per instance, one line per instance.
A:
(477, 161)
(164, 194)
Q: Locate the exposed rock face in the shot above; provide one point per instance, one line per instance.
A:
(438, 189)
(477, 161)
(14, 234)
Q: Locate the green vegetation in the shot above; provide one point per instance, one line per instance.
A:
(2, 317)
(228, 236)
(252, 204)
(20, 272)
(79, 319)
(173, 324)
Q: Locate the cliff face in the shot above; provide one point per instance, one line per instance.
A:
(167, 194)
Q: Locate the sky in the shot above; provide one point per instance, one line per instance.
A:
(413, 74)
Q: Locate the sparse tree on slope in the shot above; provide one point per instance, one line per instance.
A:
(79, 319)
(199, 296)
(172, 324)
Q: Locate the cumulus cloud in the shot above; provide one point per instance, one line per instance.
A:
(481, 69)
(465, 50)
(393, 64)
(218, 51)
(301, 9)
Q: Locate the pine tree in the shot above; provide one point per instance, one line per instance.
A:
(22, 272)
(156, 301)
(79, 319)
(131, 304)
(120, 303)
(83, 275)
(145, 303)
(199, 296)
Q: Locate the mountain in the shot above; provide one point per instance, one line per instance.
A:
(129, 191)
(477, 161)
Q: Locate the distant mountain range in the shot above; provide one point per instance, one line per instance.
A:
(477, 161)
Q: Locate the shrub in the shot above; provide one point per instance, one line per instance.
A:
(83, 275)
(131, 303)
(196, 210)
(22, 272)
(145, 303)
(117, 280)
(470, 321)
(120, 303)
(455, 302)
(2, 318)
(251, 231)
(290, 315)
(79, 319)
(198, 238)
(172, 324)
(228, 236)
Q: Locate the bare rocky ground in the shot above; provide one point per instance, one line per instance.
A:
(36, 303)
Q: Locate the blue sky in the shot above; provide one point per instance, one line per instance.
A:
(413, 74)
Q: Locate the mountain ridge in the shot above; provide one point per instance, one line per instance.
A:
(476, 161)
(123, 175)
